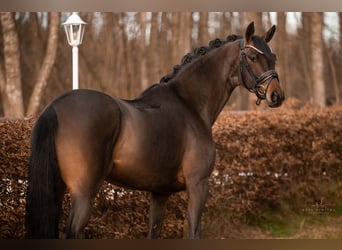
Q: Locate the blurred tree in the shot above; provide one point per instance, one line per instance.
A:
(154, 51)
(305, 50)
(186, 24)
(225, 24)
(49, 60)
(282, 50)
(203, 29)
(163, 41)
(123, 53)
(317, 45)
(11, 83)
(142, 50)
(175, 34)
(340, 49)
(32, 36)
(126, 49)
(333, 86)
(120, 56)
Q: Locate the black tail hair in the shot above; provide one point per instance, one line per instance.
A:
(43, 202)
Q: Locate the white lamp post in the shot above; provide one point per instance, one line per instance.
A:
(74, 29)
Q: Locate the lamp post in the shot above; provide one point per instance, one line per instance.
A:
(74, 29)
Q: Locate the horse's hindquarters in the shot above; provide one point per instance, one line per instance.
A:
(88, 122)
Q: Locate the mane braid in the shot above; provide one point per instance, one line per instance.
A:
(198, 52)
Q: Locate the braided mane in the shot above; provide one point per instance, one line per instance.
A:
(198, 52)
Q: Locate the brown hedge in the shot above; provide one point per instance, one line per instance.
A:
(265, 160)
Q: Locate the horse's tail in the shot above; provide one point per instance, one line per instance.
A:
(43, 200)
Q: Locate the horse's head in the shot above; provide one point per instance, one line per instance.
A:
(257, 67)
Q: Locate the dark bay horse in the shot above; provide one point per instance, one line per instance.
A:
(160, 142)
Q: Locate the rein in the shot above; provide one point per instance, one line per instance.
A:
(258, 81)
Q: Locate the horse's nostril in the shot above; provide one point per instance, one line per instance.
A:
(274, 96)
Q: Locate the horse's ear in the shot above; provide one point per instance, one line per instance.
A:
(269, 34)
(249, 32)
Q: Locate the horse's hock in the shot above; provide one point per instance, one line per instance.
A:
(262, 160)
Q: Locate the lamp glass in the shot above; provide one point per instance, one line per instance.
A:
(74, 33)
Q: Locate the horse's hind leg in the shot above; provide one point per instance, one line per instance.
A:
(79, 215)
(157, 210)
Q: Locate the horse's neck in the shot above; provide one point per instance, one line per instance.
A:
(207, 84)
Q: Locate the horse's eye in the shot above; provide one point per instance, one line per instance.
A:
(253, 57)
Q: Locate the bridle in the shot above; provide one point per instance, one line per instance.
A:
(259, 89)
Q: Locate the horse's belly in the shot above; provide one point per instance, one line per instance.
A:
(142, 178)
(139, 169)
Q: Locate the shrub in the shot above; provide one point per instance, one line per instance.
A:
(265, 160)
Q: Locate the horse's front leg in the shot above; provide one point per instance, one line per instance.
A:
(157, 210)
(197, 192)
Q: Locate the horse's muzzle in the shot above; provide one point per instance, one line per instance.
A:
(275, 95)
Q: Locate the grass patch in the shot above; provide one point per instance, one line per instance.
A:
(275, 223)
(306, 225)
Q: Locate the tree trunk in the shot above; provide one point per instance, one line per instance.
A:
(203, 29)
(281, 51)
(340, 59)
(305, 41)
(48, 62)
(317, 58)
(185, 34)
(33, 39)
(120, 56)
(12, 94)
(128, 49)
(105, 69)
(164, 48)
(225, 24)
(142, 51)
(153, 65)
(3, 98)
(334, 76)
(175, 23)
